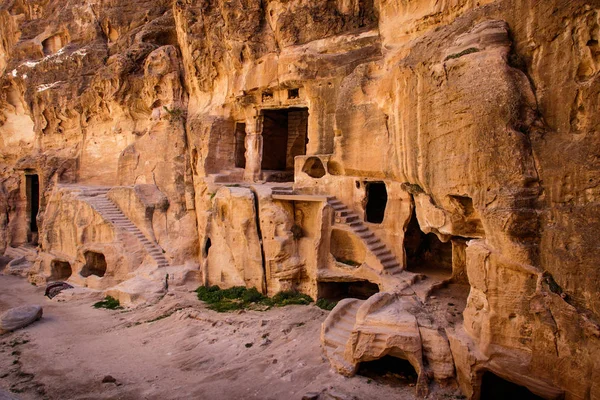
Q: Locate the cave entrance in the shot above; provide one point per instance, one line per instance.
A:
(376, 202)
(240, 145)
(95, 264)
(336, 291)
(32, 185)
(60, 270)
(390, 371)
(285, 135)
(425, 253)
(495, 388)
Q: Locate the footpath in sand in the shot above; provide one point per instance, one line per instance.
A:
(176, 349)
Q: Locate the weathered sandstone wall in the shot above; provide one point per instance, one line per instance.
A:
(480, 118)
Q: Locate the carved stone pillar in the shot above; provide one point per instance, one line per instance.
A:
(254, 148)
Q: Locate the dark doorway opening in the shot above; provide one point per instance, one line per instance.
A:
(336, 291)
(207, 247)
(495, 388)
(240, 145)
(425, 253)
(32, 184)
(285, 135)
(60, 270)
(95, 264)
(376, 202)
(388, 370)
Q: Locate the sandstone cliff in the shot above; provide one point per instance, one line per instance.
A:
(336, 147)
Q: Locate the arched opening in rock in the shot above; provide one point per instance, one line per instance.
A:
(336, 291)
(52, 44)
(425, 253)
(314, 168)
(95, 264)
(60, 270)
(376, 202)
(347, 248)
(32, 190)
(240, 145)
(495, 388)
(284, 137)
(389, 370)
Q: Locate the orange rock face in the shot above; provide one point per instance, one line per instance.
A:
(436, 162)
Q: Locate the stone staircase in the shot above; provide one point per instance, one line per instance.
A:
(96, 197)
(344, 215)
(336, 331)
(23, 250)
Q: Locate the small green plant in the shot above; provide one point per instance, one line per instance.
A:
(325, 304)
(239, 298)
(109, 303)
(287, 298)
(175, 114)
(470, 50)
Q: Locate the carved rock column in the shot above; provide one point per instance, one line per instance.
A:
(254, 148)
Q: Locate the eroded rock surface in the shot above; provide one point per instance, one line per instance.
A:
(434, 165)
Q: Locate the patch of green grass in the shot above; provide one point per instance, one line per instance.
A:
(325, 304)
(470, 50)
(109, 303)
(287, 298)
(240, 298)
(348, 262)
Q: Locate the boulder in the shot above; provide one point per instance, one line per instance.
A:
(19, 317)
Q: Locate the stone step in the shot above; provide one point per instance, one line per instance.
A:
(384, 251)
(387, 257)
(112, 213)
(390, 264)
(394, 270)
(377, 246)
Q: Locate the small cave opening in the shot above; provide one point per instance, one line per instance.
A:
(240, 145)
(314, 168)
(336, 291)
(52, 45)
(293, 93)
(390, 371)
(206, 247)
(60, 270)
(426, 253)
(495, 388)
(95, 264)
(285, 136)
(376, 202)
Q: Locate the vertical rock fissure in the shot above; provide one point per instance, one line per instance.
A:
(260, 239)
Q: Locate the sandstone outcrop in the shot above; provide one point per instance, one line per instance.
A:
(433, 165)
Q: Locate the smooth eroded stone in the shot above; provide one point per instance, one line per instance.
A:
(20, 317)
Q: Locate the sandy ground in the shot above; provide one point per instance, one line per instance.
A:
(176, 349)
